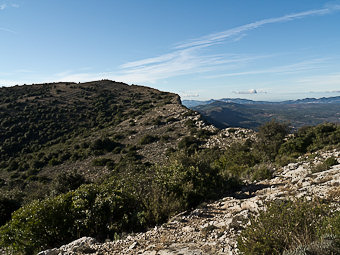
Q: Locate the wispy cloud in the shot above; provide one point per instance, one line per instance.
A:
(189, 57)
(3, 6)
(179, 62)
(284, 69)
(322, 81)
(16, 72)
(7, 4)
(192, 57)
(326, 91)
(7, 30)
(221, 36)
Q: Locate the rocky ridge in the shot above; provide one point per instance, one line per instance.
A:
(225, 137)
(213, 228)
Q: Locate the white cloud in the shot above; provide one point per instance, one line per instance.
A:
(188, 94)
(250, 91)
(3, 7)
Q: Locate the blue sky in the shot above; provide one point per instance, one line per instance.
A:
(262, 50)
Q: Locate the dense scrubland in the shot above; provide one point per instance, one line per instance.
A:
(137, 192)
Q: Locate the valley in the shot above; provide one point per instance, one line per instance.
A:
(252, 114)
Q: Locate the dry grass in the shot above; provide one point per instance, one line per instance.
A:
(334, 194)
(322, 180)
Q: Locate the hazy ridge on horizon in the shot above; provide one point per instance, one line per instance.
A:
(239, 100)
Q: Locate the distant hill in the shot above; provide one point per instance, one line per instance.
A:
(323, 100)
(251, 114)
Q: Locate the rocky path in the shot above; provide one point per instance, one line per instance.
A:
(213, 228)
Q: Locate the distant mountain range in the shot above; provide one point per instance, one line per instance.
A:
(237, 112)
(323, 100)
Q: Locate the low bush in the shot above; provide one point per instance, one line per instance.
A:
(148, 139)
(261, 172)
(67, 181)
(189, 144)
(285, 225)
(327, 164)
(91, 210)
(331, 226)
(331, 161)
(237, 161)
(310, 139)
(104, 145)
(271, 136)
(100, 161)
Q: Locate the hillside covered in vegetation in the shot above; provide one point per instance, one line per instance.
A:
(55, 137)
(103, 158)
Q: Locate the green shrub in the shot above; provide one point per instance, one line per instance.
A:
(91, 210)
(67, 181)
(165, 138)
(284, 160)
(232, 130)
(157, 121)
(54, 162)
(310, 139)
(283, 226)
(270, 137)
(39, 225)
(261, 172)
(327, 164)
(190, 123)
(148, 139)
(171, 119)
(331, 226)
(100, 161)
(331, 161)
(237, 161)
(204, 134)
(186, 181)
(189, 143)
(328, 242)
(104, 144)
